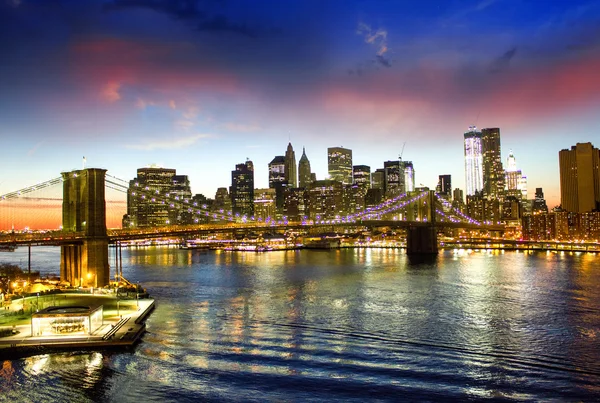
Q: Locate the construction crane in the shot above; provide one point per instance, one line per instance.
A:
(402, 152)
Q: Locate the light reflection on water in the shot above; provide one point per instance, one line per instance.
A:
(341, 325)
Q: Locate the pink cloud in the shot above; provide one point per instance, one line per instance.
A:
(110, 91)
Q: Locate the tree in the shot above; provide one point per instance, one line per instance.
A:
(8, 273)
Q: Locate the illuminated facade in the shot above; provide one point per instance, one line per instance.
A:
(378, 179)
(493, 172)
(444, 186)
(277, 171)
(393, 183)
(325, 200)
(339, 164)
(66, 320)
(362, 177)
(242, 189)
(291, 176)
(515, 181)
(156, 197)
(473, 161)
(264, 204)
(304, 173)
(580, 178)
(409, 176)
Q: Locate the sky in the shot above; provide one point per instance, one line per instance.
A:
(200, 86)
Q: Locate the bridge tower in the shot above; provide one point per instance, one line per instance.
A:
(84, 212)
(422, 239)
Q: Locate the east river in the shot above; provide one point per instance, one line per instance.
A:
(340, 325)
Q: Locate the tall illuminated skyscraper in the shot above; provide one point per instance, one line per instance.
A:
(580, 178)
(291, 176)
(339, 163)
(515, 181)
(277, 171)
(304, 174)
(242, 189)
(473, 161)
(409, 176)
(493, 173)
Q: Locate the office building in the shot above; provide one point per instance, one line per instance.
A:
(339, 164)
(325, 200)
(409, 176)
(291, 176)
(264, 204)
(394, 177)
(580, 178)
(444, 186)
(277, 171)
(242, 189)
(539, 203)
(473, 161)
(378, 179)
(304, 172)
(149, 198)
(493, 172)
(515, 181)
(362, 177)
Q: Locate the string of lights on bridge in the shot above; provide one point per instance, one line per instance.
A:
(201, 212)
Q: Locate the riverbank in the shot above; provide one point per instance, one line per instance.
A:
(123, 325)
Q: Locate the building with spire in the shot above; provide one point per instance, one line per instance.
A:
(515, 181)
(291, 176)
(304, 173)
(473, 161)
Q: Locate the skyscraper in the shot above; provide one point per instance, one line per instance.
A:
(515, 182)
(393, 179)
(242, 189)
(362, 177)
(409, 176)
(304, 174)
(339, 163)
(493, 173)
(580, 178)
(291, 176)
(444, 186)
(277, 171)
(539, 203)
(473, 161)
(148, 196)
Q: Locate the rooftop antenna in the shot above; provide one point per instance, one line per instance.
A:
(84, 161)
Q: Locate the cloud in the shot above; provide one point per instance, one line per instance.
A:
(170, 144)
(181, 9)
(110, 91)
(172, 104)
(34, 149)
(501, 63)
(376, 38)
(239, 127)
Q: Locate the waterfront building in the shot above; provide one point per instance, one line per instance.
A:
(473, 161)
(444, 186)
(539, 203)
(264, 204)
(182, 195)
(409, 176)
(242, 189)
(149, 198)
(277, 171)
(339, 164)
(393, 183)
(325, 200)
(353, 199)
(203, 204)
(222, 203)
(373, 197)
(304, 172)
(378, 179)
(512, 212)
(291, 176)
(295, 204)
(362, 177)
(493, 172)
(515, 181)
(580, 178)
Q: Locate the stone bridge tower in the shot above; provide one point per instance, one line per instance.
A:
(85, 264)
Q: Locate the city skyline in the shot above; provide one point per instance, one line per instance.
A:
(131, 83)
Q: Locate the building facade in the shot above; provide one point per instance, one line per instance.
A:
(339, 164)
(242, 189)
(580, 178)
(304, 172)
(473, 161)
(444, 186)
(291, 176)
(493, 172)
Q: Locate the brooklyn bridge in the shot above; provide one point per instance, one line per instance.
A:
(84, 237)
